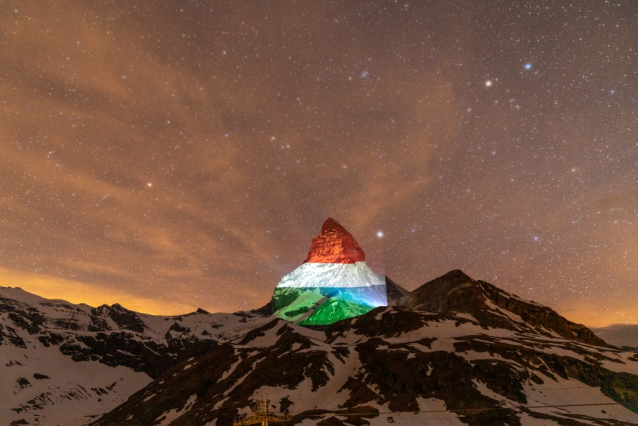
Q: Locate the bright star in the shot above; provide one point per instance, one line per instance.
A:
(380, 234)
(528, 66)
(488, 83)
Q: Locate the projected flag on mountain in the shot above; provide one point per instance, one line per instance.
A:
(332, 284)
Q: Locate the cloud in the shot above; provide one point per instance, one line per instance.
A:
(225, 136)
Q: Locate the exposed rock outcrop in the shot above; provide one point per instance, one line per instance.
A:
(334, 245)
(332, 284)
(394, 365)
(86, 360)
(457, 292)
(394, 291)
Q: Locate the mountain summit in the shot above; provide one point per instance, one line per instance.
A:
(332, 284)
(334, 245)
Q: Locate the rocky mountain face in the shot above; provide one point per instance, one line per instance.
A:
(332, 284)
(65, 363)
(394, 292)
(454, 352)
(456, 292)
(334, 245)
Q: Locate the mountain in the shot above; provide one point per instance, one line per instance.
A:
(67, 364)
(494, 307)
(334, 245)
(456, 351)
(332, 284)
(394, 292)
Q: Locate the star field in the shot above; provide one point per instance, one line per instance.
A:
(182, 154)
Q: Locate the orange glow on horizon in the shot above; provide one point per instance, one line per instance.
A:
(93, 295)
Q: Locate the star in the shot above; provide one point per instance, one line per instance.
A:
(393, 128)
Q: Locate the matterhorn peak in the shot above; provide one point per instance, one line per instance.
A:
(334, 245)
(332, 284)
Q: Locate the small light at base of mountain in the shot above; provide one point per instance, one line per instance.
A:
(380, 234)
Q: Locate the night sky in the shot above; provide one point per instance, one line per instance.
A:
(169, 156)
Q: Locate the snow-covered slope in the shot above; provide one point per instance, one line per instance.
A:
(66, 364)
(455, 351)
(62, 363)
(41, 385)
(395, 365)
(485, 357)
(340, 275)
(493, 307)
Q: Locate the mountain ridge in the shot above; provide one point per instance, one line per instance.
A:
(382, 364)
(386, 362)
(454, 349)
(93, 358)
(455, 291)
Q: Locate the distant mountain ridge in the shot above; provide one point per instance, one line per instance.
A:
(120, 351)
(455, 351)
(106, 353)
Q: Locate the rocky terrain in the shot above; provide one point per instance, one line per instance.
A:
(65, 364)
(454, 352)
(334, 245)
(456, 292)
(333, 283)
